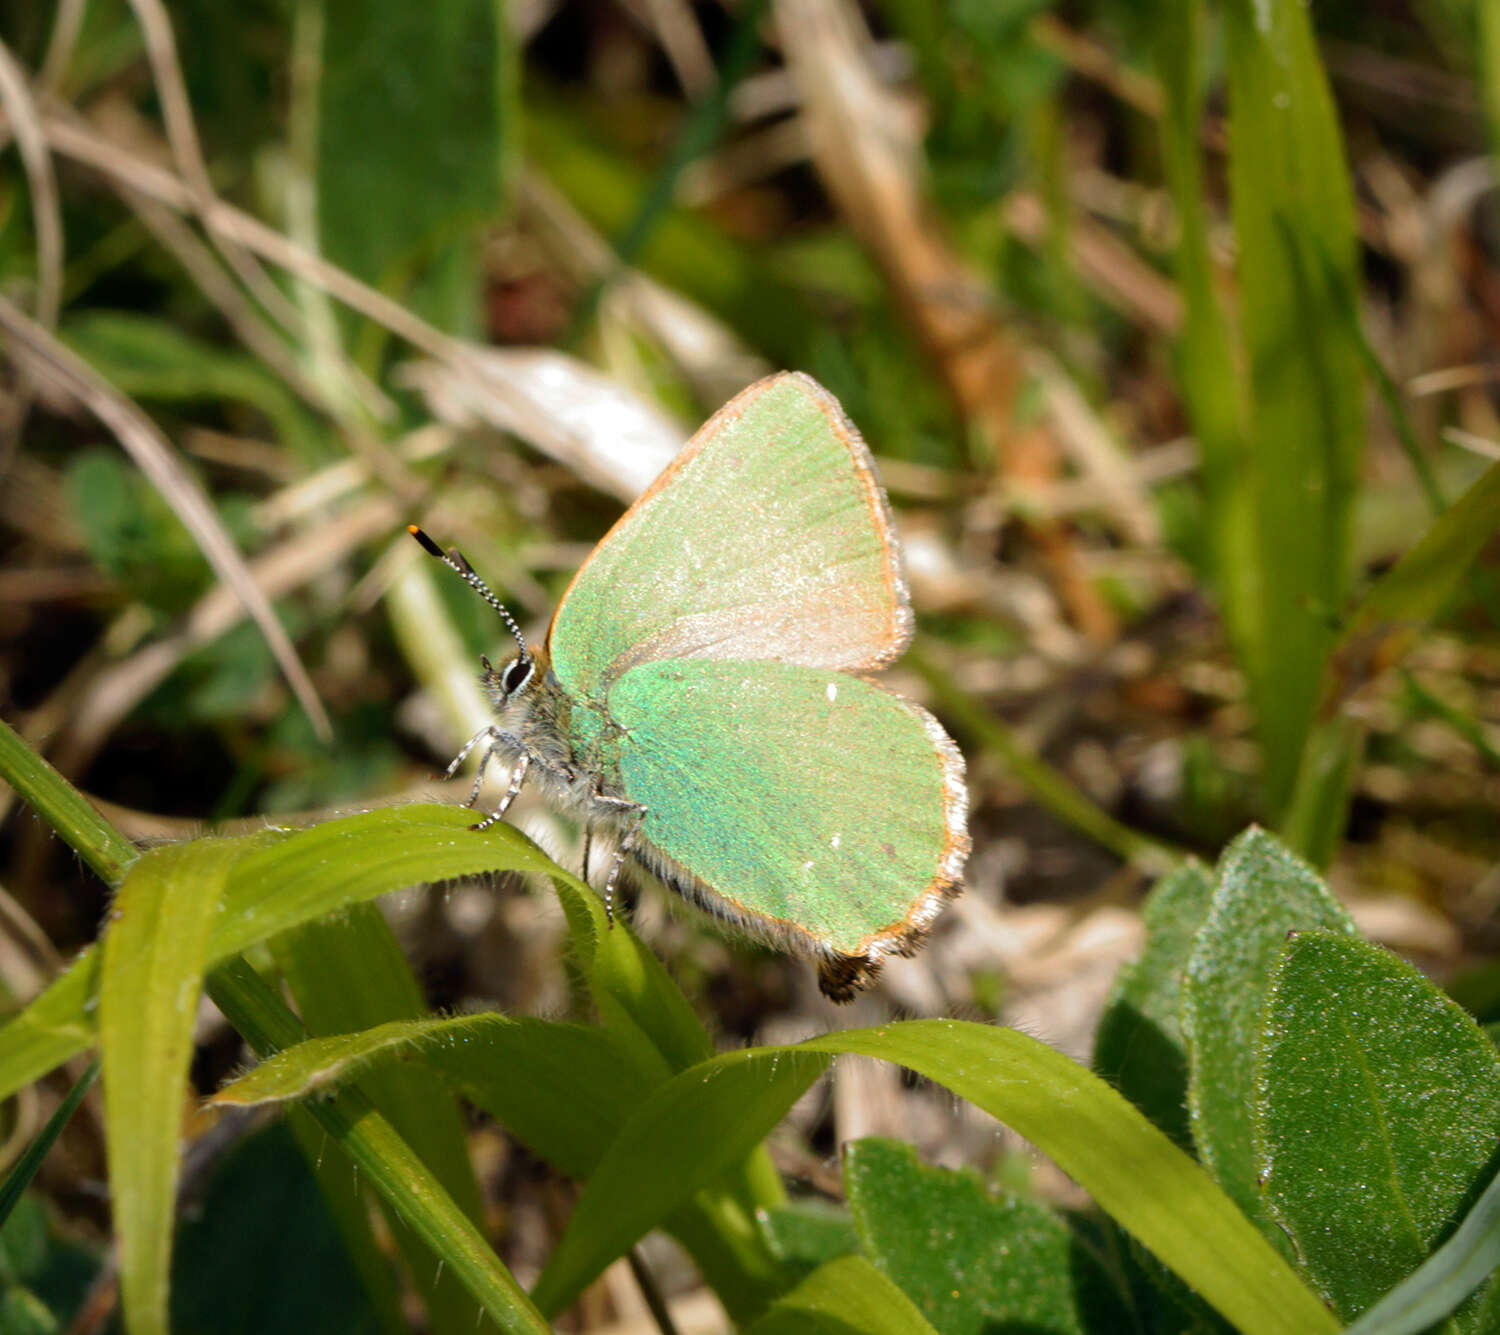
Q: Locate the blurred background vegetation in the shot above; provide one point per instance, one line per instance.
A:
(1173, 327)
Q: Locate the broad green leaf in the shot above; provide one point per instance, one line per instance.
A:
(259, 1252)
(151, 971)
(315, 872)
(847, 1296)
(348, 973)
(1263, 893)
(1378, 1114)
(436, 79)
(1446, 1278)
(973, 1262)
(1294, 222)
(706, 1116)
(383, 1158)
(1139, 1047)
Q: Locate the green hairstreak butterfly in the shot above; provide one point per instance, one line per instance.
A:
(697, 697)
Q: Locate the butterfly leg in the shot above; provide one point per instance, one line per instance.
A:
(492, 736)
(635, 813)
(588, 840)
(517, 778)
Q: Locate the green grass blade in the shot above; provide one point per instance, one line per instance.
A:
(64, 808)
(383, 1157)
(1488, 18)
(847, 1296)
(1445, 1279)
(1318, 812)
(284, 881)
(1414, 590)
(563, 1090)
(152, 965)
(348, 973)
(59, 1024)
(26, 1166)
(1294, 219)
(707, 1115)
(1211, 383)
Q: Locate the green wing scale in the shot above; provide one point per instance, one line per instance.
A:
(769, 537)
(804, 805)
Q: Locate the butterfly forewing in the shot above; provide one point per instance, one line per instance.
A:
(800, 799)
(768, 538)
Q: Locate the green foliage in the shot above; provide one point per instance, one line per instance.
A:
(970, 1261)
(261, 1214)
(44, 1275)
(436, 83)
(131, 533)
(1262, 893)
(1281, 1120)
(1139, 1047)
(1318, 1070)
(1379, 1115)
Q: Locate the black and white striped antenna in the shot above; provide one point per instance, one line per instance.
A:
(454, 560)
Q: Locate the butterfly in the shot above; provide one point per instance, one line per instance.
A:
(697, 695)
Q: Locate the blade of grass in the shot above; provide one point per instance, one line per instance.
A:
(1211, 383)
(1294, 220)
(1464, 724)
(1488, 19)
(382, 1156)
(323, 869)
(847, 1296)
(348, 973)
(688, 1129)
(27, 1165)
(65, 809)
(149, 978)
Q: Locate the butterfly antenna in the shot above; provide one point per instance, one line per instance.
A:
(454, 560)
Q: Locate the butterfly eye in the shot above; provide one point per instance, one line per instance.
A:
(516, 675)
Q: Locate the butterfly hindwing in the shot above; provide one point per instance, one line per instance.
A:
(813, 805)
(768, 538)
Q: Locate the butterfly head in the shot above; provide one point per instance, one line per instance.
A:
(511, 681)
